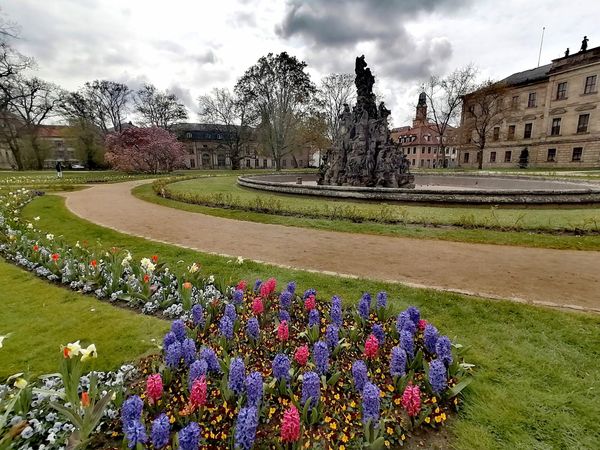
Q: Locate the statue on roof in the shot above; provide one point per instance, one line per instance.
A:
(584, 44)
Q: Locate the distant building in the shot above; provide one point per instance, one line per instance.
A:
(554, 115)
(421, 142)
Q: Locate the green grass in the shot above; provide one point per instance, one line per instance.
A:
(486, 236)
(537, 377)
(42, 316)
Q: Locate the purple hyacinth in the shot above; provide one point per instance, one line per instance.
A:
(178, 328)
(443, 349)
(414, 314)
(226, 327)
(308, 293)
(131, 410)
(398, 362)
(253, 329)
(430, 337)
(161, 429)
(311, 389)
(321, 357)
(359, 374)
(230, 312)
(135, 433)
(237, 375)
(377, 330)
(370, 403)
(285, 299)
(364, 306)
(257, 284)
(254, 389)
(281, 367)
(208, 354)
(402, 319)
(410, 327)
(332, 336)
(197, 369)
(313, 318)
(382, 300)
(291, 287)
(336, 311)
(284, 316)
(198, 315)
(189, 437)
(245, 428)
(173, 355)
(238, 297)
(188, 351)
(437, 376)
(407, 343)
(169, 339)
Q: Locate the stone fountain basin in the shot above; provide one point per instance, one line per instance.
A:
(446, 188)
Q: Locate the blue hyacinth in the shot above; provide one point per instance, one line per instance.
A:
(198, 315)
(336, 311)
(437, 376)
(382, 300)
(245, 428)
(414, 314)
(238, 297)
(377, 330)
(370, 403)
(197, 369)
(135, 433)
(169, 339)
(364, 306)
(189, 437)
(308, 293)
(291, 287)
(188, 351)
(332, 336)
(359, 374)
(237, 375)
(402, 319)
(173, 355)
(430, 337)
(226, 327)
(311, 389)
(178, 328)
(257, 284)
(253, 329)
(208, 354)
(284, 316)
(321, 357)
(161, 430)
(281, 367)
(131, 410)
(410, 327)
(313, 317)
(285, 299)
(443, 349)
(398, 362)
(407, 343)
(254, 389)
(230, 312)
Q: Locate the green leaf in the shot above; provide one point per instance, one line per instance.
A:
(378, 444)
(455, 390)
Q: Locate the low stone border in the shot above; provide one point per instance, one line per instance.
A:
(585, 195)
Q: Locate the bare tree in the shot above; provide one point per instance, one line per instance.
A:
(279, 89)
(109, 101)
(233, 117)
(159, 109)
(483, 110)
(444, 98)
(12, 63)
(335, 91)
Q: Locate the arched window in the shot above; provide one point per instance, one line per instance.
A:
(205, 160)
(221, 159)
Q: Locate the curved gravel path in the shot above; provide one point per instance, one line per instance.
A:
(564, 278)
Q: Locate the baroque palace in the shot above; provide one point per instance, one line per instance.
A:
(553, 115)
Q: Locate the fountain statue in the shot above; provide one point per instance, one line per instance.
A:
(364, 154)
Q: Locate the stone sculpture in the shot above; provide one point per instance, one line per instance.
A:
(364, 154)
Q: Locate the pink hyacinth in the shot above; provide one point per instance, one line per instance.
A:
(283, 332)
(198, 392)
(301, 355)
(371, 346)
(268, 287)
(422, 324)
(257, 306)
(411, 400)
(154, 388)
(242, 285)
(290, 425)
(310, 303)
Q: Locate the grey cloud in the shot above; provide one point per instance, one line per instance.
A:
(243, 19)
(208, 57)
(184, 95)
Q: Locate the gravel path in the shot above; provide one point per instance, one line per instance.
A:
(564, 278)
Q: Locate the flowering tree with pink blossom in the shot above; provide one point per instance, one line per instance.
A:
(150, 150)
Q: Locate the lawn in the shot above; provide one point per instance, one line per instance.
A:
(41, 316)
(537, 374)
(526, 238)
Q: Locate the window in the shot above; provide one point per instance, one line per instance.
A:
(527, 132)
(192, 163)
(511, 132)
(577, 152)
(555, 127)
(561, 91)
(422, 149)
(256, 163)
(221, 159)
(590, 84)
(531, 100)
(300, 163)
(493, 157)
(466, 158)
(248, 162)
(284, 163)
(515, 101)
(428, 149)
(264, 163)
(551, 155)
(507, 156)
(205, 160)
(188, 135)
(428, 163)
(414, 150)
(496, 135)
(582, 123)
(413, 163)
(422, 162)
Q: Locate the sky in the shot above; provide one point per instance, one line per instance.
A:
(190, 47)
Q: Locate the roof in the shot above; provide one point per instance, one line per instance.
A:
(528, 76)
(52, 131)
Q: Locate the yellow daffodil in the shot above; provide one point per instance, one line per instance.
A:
(89, 352)
(21, 383)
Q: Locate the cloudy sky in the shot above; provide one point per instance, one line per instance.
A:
(191, 46)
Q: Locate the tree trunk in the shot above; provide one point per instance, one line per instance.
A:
(480, 159)
(37, 151)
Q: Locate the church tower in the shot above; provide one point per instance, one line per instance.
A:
(421, 116)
